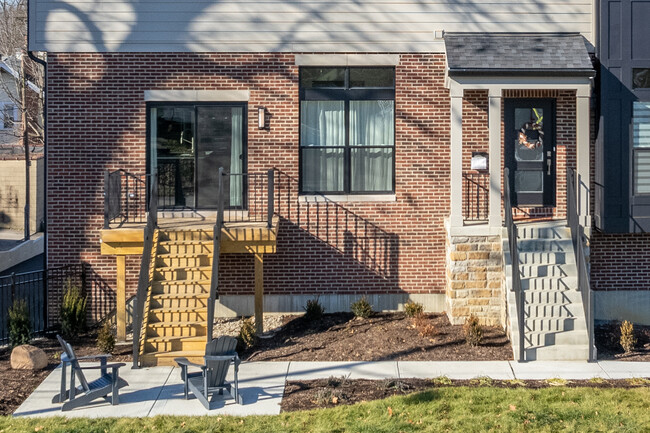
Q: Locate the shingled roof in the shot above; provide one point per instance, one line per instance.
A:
(517, 54)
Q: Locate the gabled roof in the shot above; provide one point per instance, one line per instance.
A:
(10, 65)
(517, 54)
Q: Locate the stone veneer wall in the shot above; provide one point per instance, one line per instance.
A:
(475, 279)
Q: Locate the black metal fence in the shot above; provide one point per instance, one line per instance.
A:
(248, 197)
(476, 196)
(124, 197)
(43, 292)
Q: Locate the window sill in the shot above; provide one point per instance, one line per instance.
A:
(347, 198)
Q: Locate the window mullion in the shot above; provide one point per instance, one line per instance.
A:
(346, 158)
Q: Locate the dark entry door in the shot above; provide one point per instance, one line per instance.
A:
(188, 145)
(530, 151)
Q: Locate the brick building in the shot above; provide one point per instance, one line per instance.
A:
(388, 136)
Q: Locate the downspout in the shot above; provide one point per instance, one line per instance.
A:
(45, 210)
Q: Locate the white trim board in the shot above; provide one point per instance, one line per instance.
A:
(196, 95)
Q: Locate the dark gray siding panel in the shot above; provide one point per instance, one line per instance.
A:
(624, 43)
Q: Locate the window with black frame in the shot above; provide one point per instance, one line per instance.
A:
(347, 130)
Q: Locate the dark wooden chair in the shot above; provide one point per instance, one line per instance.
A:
(219, 354)
(107, 383)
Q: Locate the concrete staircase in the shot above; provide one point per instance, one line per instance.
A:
(175, 313)
(555, 327)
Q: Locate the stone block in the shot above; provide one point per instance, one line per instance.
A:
(485, 293)
(460, 276)
(478, 255)
(494, 276)
(476, 268)
(27, 357)
(478, 276)
(475, 284)
(475, 301)
(459, 240)
(465, 247)
(459, 311)
(495, 268)
(494, 284)
(455, 285)
(458, 256)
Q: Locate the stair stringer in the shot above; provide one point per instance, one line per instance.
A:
(147, 301)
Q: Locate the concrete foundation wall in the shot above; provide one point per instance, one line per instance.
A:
(631, 305)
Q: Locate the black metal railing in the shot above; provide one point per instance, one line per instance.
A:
(476, 196)
(43, 292)
(514, 258)
(579, 240)
(247, 197)
(124, 197)
(143, 280)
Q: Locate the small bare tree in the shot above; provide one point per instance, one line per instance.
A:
(21, 88)
(24, 88)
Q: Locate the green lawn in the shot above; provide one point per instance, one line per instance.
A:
(462, 409)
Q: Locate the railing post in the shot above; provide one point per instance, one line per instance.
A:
(106, 199)
(12, 284)
(270, 204)
(126, 195)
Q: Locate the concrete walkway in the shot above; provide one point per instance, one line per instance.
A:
(159, 390)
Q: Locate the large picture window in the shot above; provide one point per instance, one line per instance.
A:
(347, 130)
(641, 147)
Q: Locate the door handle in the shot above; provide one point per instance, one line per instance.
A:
(549, 162)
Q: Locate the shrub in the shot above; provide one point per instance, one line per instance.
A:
(413, 309)
(19, 329)
(362, 308)
(73, 311)
(314, 310)
(628, 340)
(473, 331)
(424, 326)
(247, 334)
(105, 338)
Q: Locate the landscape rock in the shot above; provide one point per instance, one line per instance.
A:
(27, 357)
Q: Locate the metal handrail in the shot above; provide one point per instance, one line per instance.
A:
(216, 251)
(476, 196)
(144, 280)
(124, 197)
(578, 238)
(514, 258)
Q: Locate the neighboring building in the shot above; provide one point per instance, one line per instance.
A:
(391, 125)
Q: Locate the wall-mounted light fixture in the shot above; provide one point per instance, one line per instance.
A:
(260, 117)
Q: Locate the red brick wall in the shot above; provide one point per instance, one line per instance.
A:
(620, 261)
(97, 122)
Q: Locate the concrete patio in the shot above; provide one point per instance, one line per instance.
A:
(159, 390)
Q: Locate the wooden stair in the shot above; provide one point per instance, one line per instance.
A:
(176, 311)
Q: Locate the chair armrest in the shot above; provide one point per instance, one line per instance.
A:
(232, 357)
(187, 363)
(97, 367)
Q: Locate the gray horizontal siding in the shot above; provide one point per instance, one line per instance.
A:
(288, 26)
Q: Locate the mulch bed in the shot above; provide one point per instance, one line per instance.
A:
(384, 336)
(17, 385)
(336, 391)
(608, 335)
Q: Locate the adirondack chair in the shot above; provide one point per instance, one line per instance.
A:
(108, 383)
(219, 354)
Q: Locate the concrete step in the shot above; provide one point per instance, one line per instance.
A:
(545, 245)
(183, 260)
(548, 297)
(185, 247)
(552, 230)
(186, 235)
(538, 339)
(562, 270)
(549, 283)
(546, 258)
(174, 344)
(554, 325)
(556, 311)
(183, 274)
(558, 352)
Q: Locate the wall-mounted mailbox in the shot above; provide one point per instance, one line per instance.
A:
(479, 161)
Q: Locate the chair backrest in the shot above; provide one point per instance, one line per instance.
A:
(74, 362)
(217, 370)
